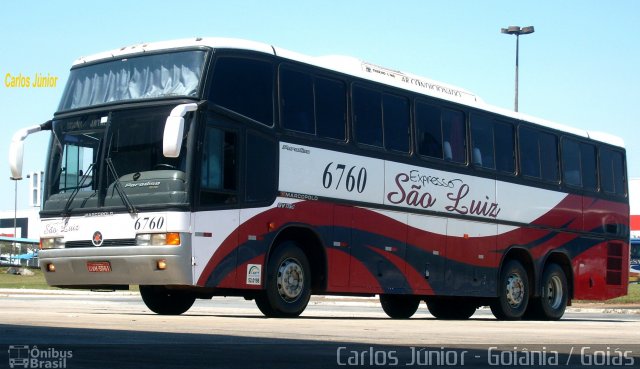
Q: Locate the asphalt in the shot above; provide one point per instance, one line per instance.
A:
(590, 307)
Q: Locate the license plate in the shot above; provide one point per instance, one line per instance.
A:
(99, 266)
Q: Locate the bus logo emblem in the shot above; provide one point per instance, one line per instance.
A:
(96, 240)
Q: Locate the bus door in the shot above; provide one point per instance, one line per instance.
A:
(215, 223)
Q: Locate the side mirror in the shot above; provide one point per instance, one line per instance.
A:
(16, 148)
(174, 129)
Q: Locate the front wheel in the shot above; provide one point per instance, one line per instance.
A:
(288, 283)
(164, 301)
(513, 292)
(399, 306)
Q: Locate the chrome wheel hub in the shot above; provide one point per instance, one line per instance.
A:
(515, 290)
(290, 280)
(554, 292)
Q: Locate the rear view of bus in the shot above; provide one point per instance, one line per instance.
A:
(217, 167)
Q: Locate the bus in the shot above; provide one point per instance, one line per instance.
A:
(634, 264)
(220, 167)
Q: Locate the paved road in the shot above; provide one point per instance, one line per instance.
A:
(115, 330)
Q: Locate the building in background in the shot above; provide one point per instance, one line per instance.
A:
(27, 223)
(20, 228)
(634, 204)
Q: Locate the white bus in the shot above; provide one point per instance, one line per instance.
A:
(206, 167)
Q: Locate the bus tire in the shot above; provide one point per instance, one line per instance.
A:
(513, 292)
(287, 284)
(451, 309)
(399, 306)
(164, 301)
(553, 298)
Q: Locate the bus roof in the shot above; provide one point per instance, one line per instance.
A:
(355, 67)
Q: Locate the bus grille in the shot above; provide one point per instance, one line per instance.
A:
(105, 243)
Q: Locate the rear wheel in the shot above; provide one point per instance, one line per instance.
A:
(553, 298)
(399, 306)
(451, 309)
(164, 301)
(287, 284)
(513, 292)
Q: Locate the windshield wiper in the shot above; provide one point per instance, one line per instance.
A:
(84, 177)
(118, 186)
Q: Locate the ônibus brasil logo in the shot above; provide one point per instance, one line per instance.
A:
(25, 356)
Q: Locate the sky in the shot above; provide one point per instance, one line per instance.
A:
(579, 68)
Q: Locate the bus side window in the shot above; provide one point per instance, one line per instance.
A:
(539, 155)
(579, 164)
(244, 86)
(571, 171)
(396, 118)
(482, 142)
(549, 157)
(367, 112)
(218, 177)
(612, 174)
(529, 154)
(296, 101)
(589, 166)
(454, 132)
(619, 175)
(505, 147)
(429, 130)
(331, 108)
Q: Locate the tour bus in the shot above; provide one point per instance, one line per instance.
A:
(219, 167)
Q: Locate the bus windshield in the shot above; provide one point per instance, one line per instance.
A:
(111, 159)
(143, 77)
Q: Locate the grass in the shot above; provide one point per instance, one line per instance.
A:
(35, 281)
(632, 297)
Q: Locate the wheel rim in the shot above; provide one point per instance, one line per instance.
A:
(554, 292)
(290, 280)
(515, 290)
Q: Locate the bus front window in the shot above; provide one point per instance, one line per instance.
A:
(135, 143)
(92, 155)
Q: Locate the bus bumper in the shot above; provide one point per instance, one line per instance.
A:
(107, 266)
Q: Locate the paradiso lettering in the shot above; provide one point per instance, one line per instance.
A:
(412, 190)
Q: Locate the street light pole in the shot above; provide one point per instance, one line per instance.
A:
(516, 30)
(15, 217)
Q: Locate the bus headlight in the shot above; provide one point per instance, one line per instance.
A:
(158, 239)
(51, 243)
